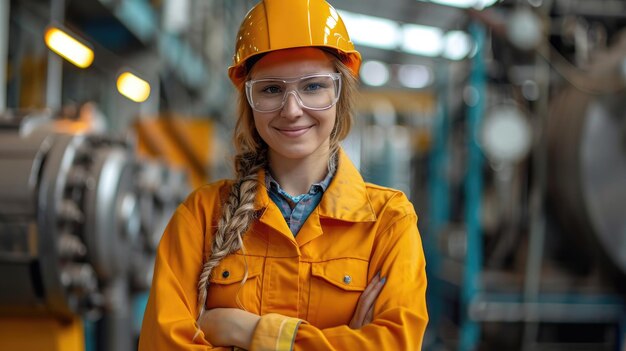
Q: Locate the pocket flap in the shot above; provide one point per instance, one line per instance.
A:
(344, 273)
(232, 269)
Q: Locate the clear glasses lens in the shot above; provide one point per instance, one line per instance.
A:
(314, 92)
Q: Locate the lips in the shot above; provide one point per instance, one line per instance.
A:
(294, 131)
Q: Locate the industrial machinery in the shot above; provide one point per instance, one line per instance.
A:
(587, 134)
(80, 219)
(526, 232)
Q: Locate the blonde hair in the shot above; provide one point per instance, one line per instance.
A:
(251, 156)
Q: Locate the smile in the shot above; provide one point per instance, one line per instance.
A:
(294, 131)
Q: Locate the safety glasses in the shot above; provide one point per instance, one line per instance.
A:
(313, 92)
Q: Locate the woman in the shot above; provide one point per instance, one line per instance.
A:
(247, 264)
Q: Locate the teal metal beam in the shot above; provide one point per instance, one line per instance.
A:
(439, 206)
(471, 287)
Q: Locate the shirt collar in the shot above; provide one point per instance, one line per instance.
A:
(345, 197)
(272, 184)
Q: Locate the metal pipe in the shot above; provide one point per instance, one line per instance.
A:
(536, 244)
(117, 321)
(5, 7)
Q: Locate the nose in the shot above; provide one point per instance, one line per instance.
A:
(292, 108)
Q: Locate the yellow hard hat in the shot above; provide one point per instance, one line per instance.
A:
(282, 24)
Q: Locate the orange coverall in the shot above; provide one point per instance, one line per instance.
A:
(305, 288)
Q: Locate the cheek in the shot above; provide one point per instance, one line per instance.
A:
(260, 123)
(331, 118)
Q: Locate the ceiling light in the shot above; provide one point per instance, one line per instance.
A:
(415, 39)
(457, 45)
(478, 4)
(505, 134)
(525, 29)
(133, 87)
(415, 76)
(372, 31)
(68, 47)
(374, 73)
(422, 40)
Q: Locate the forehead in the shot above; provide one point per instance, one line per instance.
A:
(293, 63)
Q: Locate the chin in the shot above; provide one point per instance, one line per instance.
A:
(296, 152)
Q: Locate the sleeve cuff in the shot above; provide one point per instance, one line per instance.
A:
(275, 332)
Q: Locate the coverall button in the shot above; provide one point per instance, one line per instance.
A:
(347, 279)
(225, 274)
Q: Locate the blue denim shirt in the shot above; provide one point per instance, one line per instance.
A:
(296, 209)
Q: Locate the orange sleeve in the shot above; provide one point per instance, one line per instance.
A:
(400, 315)
(169, 322)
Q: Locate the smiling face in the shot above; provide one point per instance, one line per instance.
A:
(293, 132)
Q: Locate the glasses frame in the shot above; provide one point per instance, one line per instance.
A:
(336, 76)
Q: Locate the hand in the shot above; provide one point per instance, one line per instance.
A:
(228, 327)
(365, 307)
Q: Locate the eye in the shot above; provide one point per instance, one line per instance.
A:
(271, 89)
(314, 86)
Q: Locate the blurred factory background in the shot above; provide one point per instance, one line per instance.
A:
(503, 121)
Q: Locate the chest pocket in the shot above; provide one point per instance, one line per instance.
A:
(226, 288)
(336, 286)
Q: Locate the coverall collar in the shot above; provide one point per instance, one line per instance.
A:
(345, 199)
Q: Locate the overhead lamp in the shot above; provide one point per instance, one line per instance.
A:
(477, 4)
(422, 40)
(415, 76)
(68, 47)
(133, 87)
(372, 31)
(506, 136)
(525, 29)
(382, 33)
(457, 45)
(374, 73)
